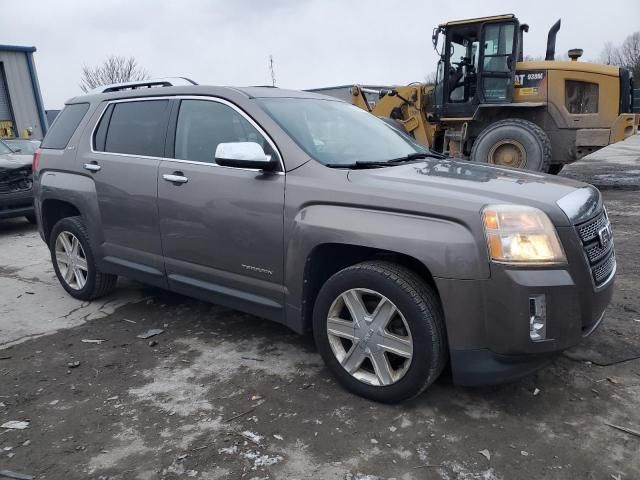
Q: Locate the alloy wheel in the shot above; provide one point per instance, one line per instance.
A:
(369, 337)
(71, 260)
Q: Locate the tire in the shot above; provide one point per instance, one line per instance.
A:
(96, 284)
(31, 219)
(513, 143)
(555, 168)
(418, 322)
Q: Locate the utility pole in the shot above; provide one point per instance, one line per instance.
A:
(272, 70)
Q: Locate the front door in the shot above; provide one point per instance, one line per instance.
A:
(222, 227)
(498, 62)
(123, 162)
(458, 71)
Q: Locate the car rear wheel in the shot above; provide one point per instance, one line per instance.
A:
(74, 263)
(380, 329)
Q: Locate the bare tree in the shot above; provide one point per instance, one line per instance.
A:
(626, 55)
(115, 69)
(430, 78)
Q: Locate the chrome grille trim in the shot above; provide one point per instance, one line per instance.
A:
(600, 258)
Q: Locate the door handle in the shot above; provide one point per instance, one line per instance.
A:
(92, 167)
(176, 177)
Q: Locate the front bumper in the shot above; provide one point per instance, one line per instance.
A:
(488, 323)
(16, 204)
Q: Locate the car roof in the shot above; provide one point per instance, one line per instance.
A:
(248, 92)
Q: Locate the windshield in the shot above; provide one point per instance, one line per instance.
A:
(336, 133)
(4, 149)
(25, 146)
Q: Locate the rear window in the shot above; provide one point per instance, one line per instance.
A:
(63, 127)
(581, 97)
(134, 128)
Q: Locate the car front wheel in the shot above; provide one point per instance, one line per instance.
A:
(380, 329)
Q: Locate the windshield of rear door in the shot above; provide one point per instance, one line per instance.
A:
(337, 133)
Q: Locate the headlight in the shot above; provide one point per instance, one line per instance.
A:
(521, 235)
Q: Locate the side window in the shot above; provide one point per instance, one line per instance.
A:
(135, 128)
(202, 125)
(63, 127)
(100, 135)
(581, 97)
(498, 47)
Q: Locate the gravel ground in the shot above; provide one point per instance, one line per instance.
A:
(220, 394)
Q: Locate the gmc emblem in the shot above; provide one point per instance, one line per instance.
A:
(605, 235)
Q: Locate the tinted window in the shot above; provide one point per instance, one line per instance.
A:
(100, 135)
(63, 127)
(137, 128)
(202, 125)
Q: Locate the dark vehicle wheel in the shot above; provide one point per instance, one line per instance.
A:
(74, 263)
(380, 329)
(513, 143)
(555, 168)
(31, 219)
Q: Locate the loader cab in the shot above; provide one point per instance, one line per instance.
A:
(477, 64)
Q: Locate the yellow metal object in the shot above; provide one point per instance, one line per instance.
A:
(7, 130)
(495, 18)
(586, 67)
(547, 93)
(508, 153)
(408, 104)
(625, 125)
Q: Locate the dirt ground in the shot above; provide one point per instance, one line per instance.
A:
(220, 394)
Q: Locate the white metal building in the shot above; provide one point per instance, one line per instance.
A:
(21, 110)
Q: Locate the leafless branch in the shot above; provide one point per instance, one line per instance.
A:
(115, 69)
(626, 55)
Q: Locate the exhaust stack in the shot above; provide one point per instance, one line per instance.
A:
(551, 41)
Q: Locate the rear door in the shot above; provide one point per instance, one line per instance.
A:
(127, 146)
(222, 227)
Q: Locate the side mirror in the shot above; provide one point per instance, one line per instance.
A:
(244, 155)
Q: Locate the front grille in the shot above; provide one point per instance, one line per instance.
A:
(596, 252)
(598, 247)
(17, 180)
(589, 231)
(602, 271)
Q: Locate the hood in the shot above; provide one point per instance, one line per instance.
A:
(461, 185)
(12, 161)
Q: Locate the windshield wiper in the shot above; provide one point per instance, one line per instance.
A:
(415, 156)
(384, 163)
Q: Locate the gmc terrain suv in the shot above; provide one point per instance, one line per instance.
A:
(306, 210)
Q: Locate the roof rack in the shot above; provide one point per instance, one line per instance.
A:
(157, 82)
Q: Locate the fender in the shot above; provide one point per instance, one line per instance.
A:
(447, 249)
(79, 191)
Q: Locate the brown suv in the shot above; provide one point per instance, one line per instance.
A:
(306, 210)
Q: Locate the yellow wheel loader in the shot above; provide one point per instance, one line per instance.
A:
(489, 105)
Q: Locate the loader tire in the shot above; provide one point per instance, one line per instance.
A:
(513, 143)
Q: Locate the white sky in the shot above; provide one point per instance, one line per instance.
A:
(315, 43)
